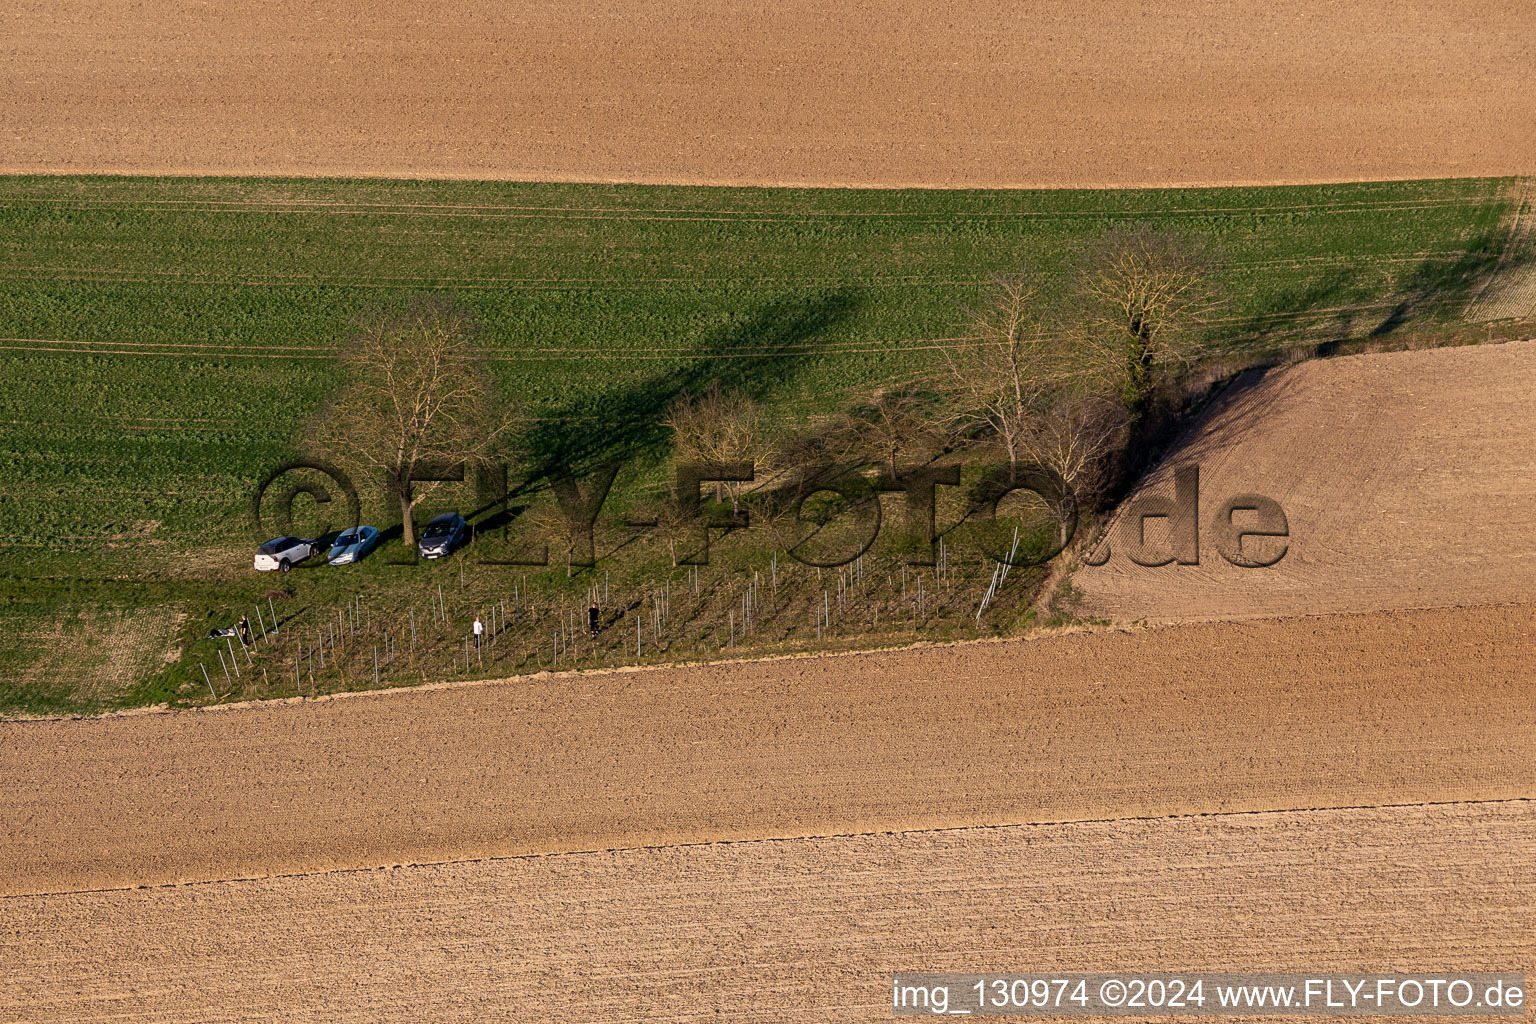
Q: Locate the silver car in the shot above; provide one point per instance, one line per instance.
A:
(352, 545)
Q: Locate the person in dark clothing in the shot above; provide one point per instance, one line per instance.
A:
(592, 619)
(245, 630)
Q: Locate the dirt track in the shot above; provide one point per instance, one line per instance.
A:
(1406, 478)
(981, 93)
(1327, 712)
(799, 930)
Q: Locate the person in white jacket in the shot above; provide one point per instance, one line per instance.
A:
(479, 629)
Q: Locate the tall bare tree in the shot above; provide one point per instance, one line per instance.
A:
(718, 426)
(1027, 363)
(415, 392)
(1149, 293)
(1075, 438)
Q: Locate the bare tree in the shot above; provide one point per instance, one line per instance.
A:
(804, 449)
(674, 524)
(415, 393)
(893, 421)
(718, 426)
(1148, 293)
(794, 459)
(552, 522)
(1074, 438)
(1027, 361)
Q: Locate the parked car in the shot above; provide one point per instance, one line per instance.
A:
(351, 545)
(281, 552)
(442, 535)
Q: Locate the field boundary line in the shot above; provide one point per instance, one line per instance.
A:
(160, 352)
(170, 344)
(520, 212)
(811, 838)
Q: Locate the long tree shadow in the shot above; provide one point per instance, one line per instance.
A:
(1319, 305)
(754, 356)
(1329, 308)
(1437, 286)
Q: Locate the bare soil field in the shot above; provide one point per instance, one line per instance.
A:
(1406, 479)
(794, 930)
(1325, 712)
(980, 93)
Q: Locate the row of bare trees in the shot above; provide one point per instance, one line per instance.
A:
(1057, 379)
(1051, 374)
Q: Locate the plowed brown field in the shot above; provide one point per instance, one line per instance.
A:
(1407, 480)
(976, 93)
(805, 930)
(1326, 712)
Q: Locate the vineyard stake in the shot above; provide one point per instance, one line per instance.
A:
(207, 680)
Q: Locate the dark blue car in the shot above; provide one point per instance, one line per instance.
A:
(442, 535)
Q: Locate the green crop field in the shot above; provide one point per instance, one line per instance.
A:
(162, 341)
